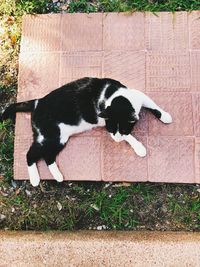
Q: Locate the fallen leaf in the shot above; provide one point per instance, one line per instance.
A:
(59, 206)
(4, 194)
(13, 39)
(18, 191)
(28, 193)
(2, 204)
(124, 184)
(2, 134)
(10, 20)
(14, 185)
(2, 217)
(94, 206)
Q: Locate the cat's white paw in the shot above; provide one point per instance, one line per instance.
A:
(140, 150)
(34, 181)
(166, 117)
(59, 178)
(57, 175)
(34, 175)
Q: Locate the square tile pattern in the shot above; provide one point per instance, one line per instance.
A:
(157, 54)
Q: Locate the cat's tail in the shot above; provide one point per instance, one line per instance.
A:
(10, 112)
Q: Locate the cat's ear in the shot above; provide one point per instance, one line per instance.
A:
(105, 113)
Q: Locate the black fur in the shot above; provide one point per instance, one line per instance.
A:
(113, 87)
(10, 112)
(155, 112)
(119, 116)
(68, 104)
(72, 104)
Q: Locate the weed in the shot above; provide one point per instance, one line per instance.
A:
(112, 209)
(185, 209)
(6, 150)
(133, 5)
(82, 6)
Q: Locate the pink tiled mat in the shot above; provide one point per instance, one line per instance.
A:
(157, 54)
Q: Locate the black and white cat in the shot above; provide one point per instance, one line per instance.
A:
(79, 106)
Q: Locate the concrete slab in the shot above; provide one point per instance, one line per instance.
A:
(126, 66)
(124, 31)
(171, 159)
(180, 106)
(168, 31)
(168, 71)
(81, 32)
(158, 54)
(138, 249)
(75, 65)
(37, 38)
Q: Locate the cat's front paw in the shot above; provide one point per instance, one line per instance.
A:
(166, 117)
(140, 150)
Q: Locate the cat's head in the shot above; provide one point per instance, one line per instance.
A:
(120, 116)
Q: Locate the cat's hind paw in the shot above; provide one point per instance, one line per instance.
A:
(34, 175)
(57, 175)
(59, 178)
(166, 117)
(34, 181)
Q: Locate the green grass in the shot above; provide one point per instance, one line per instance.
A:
(70, 206)
(19, 7)
(89, 205)
(11, 12)
(133, 5)
(185, 210)
(6, 150)
(112, 210)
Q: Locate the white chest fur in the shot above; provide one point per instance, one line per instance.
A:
(67, 130)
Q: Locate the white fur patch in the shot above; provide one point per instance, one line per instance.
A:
(57, 175)
(36, 103)
(67, 130)
(138, 147)
(40, 137)
(134, 96)
(117, 137)
(101, 122)
(137, 100)
(166, 117)
(149, 103)
(102, 95)
(34, 174)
